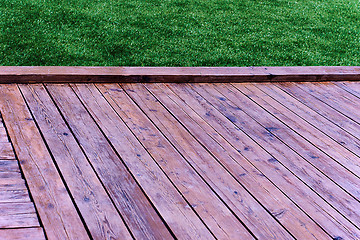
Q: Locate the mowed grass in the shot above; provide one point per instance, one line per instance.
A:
(179, 32)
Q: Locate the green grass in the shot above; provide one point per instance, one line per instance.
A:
(180, 32)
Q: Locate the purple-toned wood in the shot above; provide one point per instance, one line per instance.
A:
(59, 74)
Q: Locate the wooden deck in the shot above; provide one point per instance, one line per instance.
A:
(18, 219)
(185, 161)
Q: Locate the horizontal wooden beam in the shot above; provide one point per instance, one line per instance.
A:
(59, 74)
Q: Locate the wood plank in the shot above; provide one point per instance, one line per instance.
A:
(16, 208)
(3, 134)
(335, 132)
(22, 234)
(174, 209)
(336, 100)
(348, 103)
(338, 198)
(6, 151)
(335, 97)
(258, 220)
(324, 163)
(351, 87)
(7, 175)
(137, 211)
(97, 210)
(18, 214)
(51, 198)
(321, 108)
(3, 137)
(254, 181)
(9, 166)
(57, 74)
(19, 220)
(234, 131)
(19, 195)
(12, 183)
(200, 196)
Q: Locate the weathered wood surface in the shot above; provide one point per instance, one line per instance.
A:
(6, 151)
(50, 195)
(212, 211)
(163, 161)
(9, 166)
(225, 119)
(16, 209)
(321, 108)
(191, 149)
(96, 208)
(280, 133)
(136, 209)
(22, 234)
(58, 74)
(170, 204)
(3, 135)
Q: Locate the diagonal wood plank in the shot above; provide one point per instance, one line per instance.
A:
(96, 208)
(51, 198)
(137, 211)
(233, 159)
(237, 129)
(321, 108)
(271, 128)
(180, 217)
(310, 116)
(313, 146)
(254, 216)
(343, 102)
(336, 98)
(351, 87)
(212, 211)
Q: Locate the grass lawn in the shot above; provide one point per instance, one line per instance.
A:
(180, 32)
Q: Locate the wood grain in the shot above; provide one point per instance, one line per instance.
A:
(61, 74)
(18, 214)
(207, 131)
(321, 108)
(18, 195)
(96, 208)
(179, 216)
(254, 216)
(333, 131)
(138, 213)
(51, 198)
(3, 134)
(232, 120)
(9, 166)
(335, 97)
(209, 207)
(348, 182)
(184, 161)
(12, 183)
